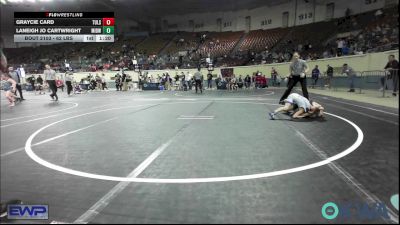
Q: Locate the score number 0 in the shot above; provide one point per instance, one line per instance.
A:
(108, 25)
(108, 21)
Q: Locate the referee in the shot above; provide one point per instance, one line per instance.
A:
(298, 70)
(50, 76)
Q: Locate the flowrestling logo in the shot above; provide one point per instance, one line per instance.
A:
(27, 212)
(357, 210)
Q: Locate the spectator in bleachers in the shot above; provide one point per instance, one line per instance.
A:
(378, 13)
(345, 50)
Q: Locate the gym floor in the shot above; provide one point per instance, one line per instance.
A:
(181, 157)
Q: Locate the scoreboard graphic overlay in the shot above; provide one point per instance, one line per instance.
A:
(64, 26)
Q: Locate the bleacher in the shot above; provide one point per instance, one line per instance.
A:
(219, 44)
(128, 42)
(183, 41)
(154, 44)
(259, 40)
(314, 34)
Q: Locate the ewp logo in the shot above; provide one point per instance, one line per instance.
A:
(28, 212)
(358, 210)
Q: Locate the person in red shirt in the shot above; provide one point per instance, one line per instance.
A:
(258, 81)
(60, 84)
(264, 82)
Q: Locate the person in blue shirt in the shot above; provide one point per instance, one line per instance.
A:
(315, 75)
(345, 50)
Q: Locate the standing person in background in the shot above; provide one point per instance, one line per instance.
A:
(183, 82)
(298, 69)
(347, 70)
(393, 68)
(329, 76)
(16, 77)
(98, 82)
(104, 84)
(124, 83)
(232, 83)
(32, 82)
(209, 80)
(189, 81)
(258, 81)
(50, 76)
(240, 82)
(247, 81)
(39, 83)
(253, 81)
(167, 82)
(118, 84)
(68, 82)
(274, 75)
(315, 75)
(176, 78)
(198, 78)
(264, 82)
